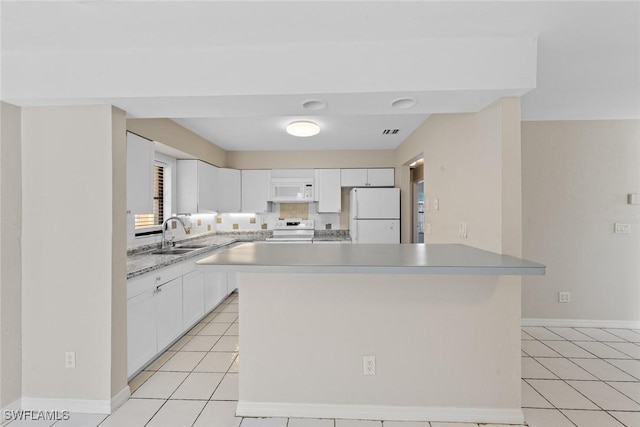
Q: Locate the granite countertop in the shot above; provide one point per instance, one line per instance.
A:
(449, 259)
(141, 262)
(332, 236)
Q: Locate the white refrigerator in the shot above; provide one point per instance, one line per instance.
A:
(374, 215)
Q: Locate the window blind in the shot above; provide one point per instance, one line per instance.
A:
(157, 217)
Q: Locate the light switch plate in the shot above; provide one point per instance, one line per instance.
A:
(620, 228)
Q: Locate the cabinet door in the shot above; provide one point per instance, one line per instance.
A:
(187, 186)
(140, 154)
(169, 312)
(329, 190)
(192, 298)
(255, 190)
(383, 177)
(353, 177)
(232, 285)
(215, 289)
(229, 190)
(141, 331)
(208, 191)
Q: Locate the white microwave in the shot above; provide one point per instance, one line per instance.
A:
(292, 190)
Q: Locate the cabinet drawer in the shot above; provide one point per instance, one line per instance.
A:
(146, 282)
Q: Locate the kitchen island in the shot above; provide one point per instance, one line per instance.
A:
(443, 322)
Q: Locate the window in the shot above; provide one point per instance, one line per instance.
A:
(149, 223)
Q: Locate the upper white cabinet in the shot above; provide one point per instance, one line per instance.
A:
(255, 190)
(378, 177)
(229, 190)
(382, 177)
(328, 190)
(197, 187)
(140, 154)
(353, 177)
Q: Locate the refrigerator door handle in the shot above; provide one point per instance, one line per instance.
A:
(356, 213)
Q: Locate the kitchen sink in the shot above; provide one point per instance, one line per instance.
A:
(187, 246)
(173, 251)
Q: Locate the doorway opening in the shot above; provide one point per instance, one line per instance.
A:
(416, 174)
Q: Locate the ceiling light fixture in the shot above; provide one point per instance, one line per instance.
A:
(314, 104)
(402, 103)
(303, 128)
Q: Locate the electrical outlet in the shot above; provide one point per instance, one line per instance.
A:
(622, 228)
(368, 365)
(69, 359)
(462, 230)
(427, 205)
(564, 296)
(436, 204)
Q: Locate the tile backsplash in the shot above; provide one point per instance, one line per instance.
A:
(263, 221)
(208, 223)
(199, 224)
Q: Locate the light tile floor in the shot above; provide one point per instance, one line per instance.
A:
(574, 377)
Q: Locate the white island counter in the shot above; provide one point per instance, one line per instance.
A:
(443, 322)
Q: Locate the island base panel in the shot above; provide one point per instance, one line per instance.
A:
(445, 346)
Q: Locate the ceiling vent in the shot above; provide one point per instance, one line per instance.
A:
(390, 131)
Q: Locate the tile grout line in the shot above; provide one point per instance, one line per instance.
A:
(578, 391)
(189, 373)
(220, 383)
(599, 380)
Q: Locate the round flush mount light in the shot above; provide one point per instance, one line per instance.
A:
(314, 104)
(402, 103)
(303, 128)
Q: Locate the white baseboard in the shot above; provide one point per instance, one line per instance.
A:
(76, 405)
(119, 399)
(375, 412)
(16, 405)
(583, 323)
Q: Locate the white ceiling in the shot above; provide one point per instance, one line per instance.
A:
(237, 72)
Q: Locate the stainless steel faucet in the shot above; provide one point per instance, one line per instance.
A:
(164, 229)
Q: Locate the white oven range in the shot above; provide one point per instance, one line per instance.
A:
(292, 230)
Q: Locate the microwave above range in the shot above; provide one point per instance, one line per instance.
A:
(292, 190)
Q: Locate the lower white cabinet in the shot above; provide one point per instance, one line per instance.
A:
(141, 330)
(169, 314)
(232, 285)
(192, 298)
(215, 289)
(164, 304)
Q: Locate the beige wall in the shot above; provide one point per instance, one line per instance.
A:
(310, 159)
(10, 255)
(464, 157)
(172, 134)
(421, 365)
(72, 283)
(119, 252)
(575, 178)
